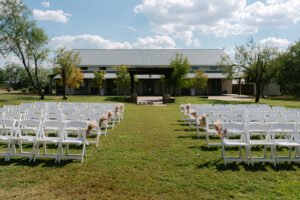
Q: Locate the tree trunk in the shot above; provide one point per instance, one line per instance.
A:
(262, 92)
(258, 90)
(64, 85)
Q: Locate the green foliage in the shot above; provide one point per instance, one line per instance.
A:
(288, 70)
(123, 77)
(181, 68)
(20, 36)
(99, 78)
(66, 62)
(200, 80)
(16, 76)
(255, 63)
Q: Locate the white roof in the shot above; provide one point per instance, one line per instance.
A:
(148, 57)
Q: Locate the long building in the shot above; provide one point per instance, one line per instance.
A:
(148, 65)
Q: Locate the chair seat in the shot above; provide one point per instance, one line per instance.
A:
(48, 139)
(260, 142)
(26, 138)
(72, 141)
(288, 144)
(4, 137)
(233, 143)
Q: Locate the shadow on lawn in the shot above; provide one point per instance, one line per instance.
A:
(236, 166)
(116, 99)
(38, 162)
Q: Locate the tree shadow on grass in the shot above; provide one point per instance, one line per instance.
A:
(116, 99)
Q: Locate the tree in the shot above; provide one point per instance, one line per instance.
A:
(255, 63)
(16, 76)
(20, 36)
(66, 62)
(181, 68)
(288, 70)
(2, 76)
(74, 79)
(200, 80)
(123, 78)
(99, 79)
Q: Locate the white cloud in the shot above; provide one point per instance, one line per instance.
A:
(131, 28)
(97, 42)
(51, 15)
(182, 18)
(280, 43)
(46, 4)
(158, 42)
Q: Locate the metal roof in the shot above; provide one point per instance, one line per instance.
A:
(153, 76)
(148, 57)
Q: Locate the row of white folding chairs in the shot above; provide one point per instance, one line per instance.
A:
(210, 120)
(39, 133)
(63, 117)
(271, 137)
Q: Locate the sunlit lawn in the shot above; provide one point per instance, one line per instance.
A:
(150, 155)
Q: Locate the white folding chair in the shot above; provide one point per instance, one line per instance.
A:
(238, 131)
(264, 140)
(54, 117)
(7, 130)
(79, 129)
(96, 131)
(27, 133)
(290, 141)
(211, 131)
(51, 133)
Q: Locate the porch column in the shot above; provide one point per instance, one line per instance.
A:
(131, 83)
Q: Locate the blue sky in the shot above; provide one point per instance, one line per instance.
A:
(167, 23)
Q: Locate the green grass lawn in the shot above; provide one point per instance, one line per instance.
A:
(150, 155)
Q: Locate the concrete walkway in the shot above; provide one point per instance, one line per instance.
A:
(232, 97)
(148, 100)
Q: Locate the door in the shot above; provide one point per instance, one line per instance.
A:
(148, 87)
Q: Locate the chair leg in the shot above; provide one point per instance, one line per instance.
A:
(246, 152)
(250, 154)
(83, 152)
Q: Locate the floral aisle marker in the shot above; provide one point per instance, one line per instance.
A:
(221, 133)
(91, 126)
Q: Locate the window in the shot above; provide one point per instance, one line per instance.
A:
(102, 68)
(213, 68)
(84, 68)
(195, 68)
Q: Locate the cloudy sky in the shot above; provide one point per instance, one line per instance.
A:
(167, 23)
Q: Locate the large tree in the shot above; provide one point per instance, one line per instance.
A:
(20, 37)
(66, 64)
(181, 68)
(99, 79)
(288, 70)
(255, 63)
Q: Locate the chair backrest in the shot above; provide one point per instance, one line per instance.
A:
(54, 117)
(58, 126)
(37, 117)
(13, 116)
(90, 118)
(53, 111)
(8, 126)
(236, 129)
(32, 125)
(255, 119)
(26, 105)
(255, 129)
(72, 117)
(69, 111)
(80, 126)
(235, 119)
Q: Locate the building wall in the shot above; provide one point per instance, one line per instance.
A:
(227, 86)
